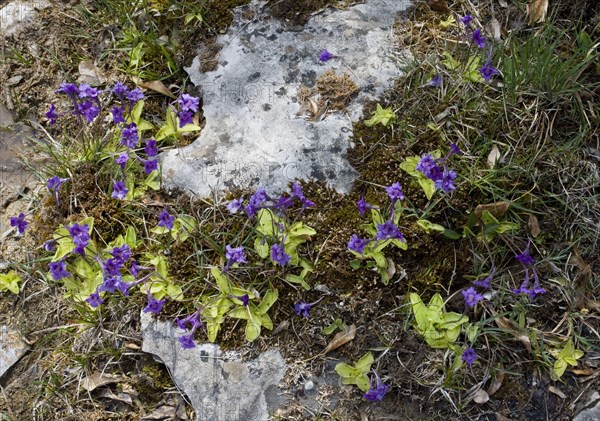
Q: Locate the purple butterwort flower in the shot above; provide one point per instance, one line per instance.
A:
(122, 159)
(325, 56)
(524, 257)
(69, 89)
(119, 190)
(86, 91)
(134, 96)
(436, 81)
(537, 289)
(357, 244)
(124, 287)
(279, 255)
(166, 220)
(445, 181)
(50, 245)
(395, 192)
(363, 206)
(150, 165)
(256, 202)
(80, 236)
(187, 341)
(234, 206)
(58, 270)
(193, 320)
(122, 253)
(388, 230)
(129, 135)
(154, 306)
(425, 164)
(478, 38)
(377, 391)
(135, 268)
(469, 356)
(466, 20)
(52, 115)
(306, 203)
(117, 114)
(19, 222)
(486, 283)
(297, 191)
(188, 103)
(488, 71)
(110, 284)
(185, 117)
(120, 90)
(151, 148)
(283, 203)
(112, 266)
(471, 296)
(303, 308)
(235, 255)
(454, 150)
(55, 182)
(88, 110)
(94, 300)
(245, 299)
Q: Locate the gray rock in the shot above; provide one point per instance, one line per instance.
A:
(17, 13)
(254, 135)
(591, 408)
(219, 384)
(12, 348)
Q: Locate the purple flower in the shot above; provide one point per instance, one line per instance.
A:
(120, 90)
(388, 230)
(524, 257)
(150, 165)
(52, 115)
(234, 206)
(454, 150)
(112, 266)
(135, 268)
(187, 341)
(124, 287)
(436, 81)
(122, 159)
(86, 91)
(469, 356)
(69, 89)
(283, 203)
(81, 237)
(488, 71)
(117, 113)
(119, 190)
(110, 284)
(55, 182)
(478, 38)
(279, 255)
(151, 148)
(129, 136)
(188, 103)
(256, 202)
(122, 253)
(486, 283)
(363, 206)
(193, 319)
(134, 96)
(425, 164)
(58, 270)
(325, 56)
(88, 110)
(245, 299)
(303, 308)
(357, 244)
(471, 296)
(166, 220)
(235, 255)
(94, 300)
(395, 192)
(466, 20)
(154, 306)
(297, 191)
(19, 222)
(185, 117)
(445, 181)
(50, 245)
(377, 391)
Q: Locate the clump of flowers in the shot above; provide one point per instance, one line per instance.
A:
(436, 169)
(377, 391)
(528, 263)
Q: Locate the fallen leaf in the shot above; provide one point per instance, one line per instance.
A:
(583, 371)
(281, 327)
(90, 74)
(341, 338)
(504, 323)
(493, 28)
(537, 10)
(157, 86)
(121, 397)
(161, 413)
(439, 6)
(496, 383)
(493, 157)
(502, 3)
(533, 226)
(497, 209)
(557, 392)
(97, 379)
(481, 396)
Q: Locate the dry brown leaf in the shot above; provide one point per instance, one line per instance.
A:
(533, 226)
(439, 6)
(162, 413)
(583, 371)
(537, 10)
(90, 74)
(493, 28)
(481, 396)
(97, 379)
(496, 383)
(497, 209)
(493, 157)
(504, 323)
(121, 397)
(557, 392)
(157, 86)
(341, 338)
